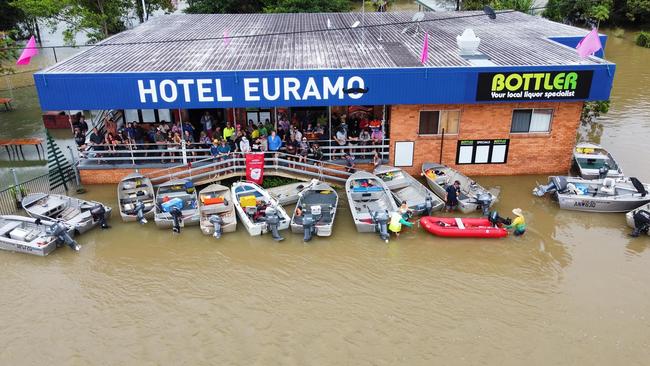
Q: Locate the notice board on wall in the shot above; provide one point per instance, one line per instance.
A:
(404, 153)
(482, 151)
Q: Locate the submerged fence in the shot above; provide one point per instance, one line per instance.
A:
(11, 197)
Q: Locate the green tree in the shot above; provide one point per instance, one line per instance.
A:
(151, 6)
(637, 11)
(578, 11)
(225, 6)
(308, 6)
(8, 54)
(523, 6)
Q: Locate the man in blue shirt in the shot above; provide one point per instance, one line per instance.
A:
(451, 201)
(275, 143)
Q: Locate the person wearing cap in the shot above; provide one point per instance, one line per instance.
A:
(519, 223)
(451, 199)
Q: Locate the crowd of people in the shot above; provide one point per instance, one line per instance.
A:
(301, 140)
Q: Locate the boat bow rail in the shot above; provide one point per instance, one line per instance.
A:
(212, 169)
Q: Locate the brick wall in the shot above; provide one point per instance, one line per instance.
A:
(538, 153)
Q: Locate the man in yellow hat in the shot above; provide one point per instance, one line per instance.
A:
(519, 223)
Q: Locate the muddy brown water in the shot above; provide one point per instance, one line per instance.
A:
(574, 290)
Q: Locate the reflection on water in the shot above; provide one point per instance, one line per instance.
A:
(573, 290)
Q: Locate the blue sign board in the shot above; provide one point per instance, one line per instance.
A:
(268, 88)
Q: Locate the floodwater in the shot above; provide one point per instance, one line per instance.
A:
(573, 291)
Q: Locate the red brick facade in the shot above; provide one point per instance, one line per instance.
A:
(532, 153)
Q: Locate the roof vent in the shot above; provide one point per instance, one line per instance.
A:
(468, 43)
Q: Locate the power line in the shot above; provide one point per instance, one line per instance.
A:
(369, 26)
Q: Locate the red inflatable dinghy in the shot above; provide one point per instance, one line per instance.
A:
(469, 227)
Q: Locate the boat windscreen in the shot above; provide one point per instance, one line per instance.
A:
(596, 163)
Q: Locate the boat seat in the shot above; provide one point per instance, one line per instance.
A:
(459, 223)
(69, 213)
(8, 227)
(609, 186)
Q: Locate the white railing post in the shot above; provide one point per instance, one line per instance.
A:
(184, 151)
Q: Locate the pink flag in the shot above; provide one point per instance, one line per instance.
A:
(226, 38)
(425, 49)
(29, 52)
(589, 45)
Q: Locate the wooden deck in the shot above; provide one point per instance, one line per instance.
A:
(15, 146)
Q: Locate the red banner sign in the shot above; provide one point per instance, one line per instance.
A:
(255, 168)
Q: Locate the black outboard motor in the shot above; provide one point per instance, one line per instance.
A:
(217, 222)
(497, 220)
(556, 183)
(309, 227)
(177, 216)
(640, 188)
(428, 205)
(99, 214)
(484, 200)
(139, 212)
(60, 231)
(641, 223)
(272, 222)
(381, 222)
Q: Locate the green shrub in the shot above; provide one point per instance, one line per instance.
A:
(643, 39)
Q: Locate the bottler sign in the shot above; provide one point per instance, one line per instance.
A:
(501, 86)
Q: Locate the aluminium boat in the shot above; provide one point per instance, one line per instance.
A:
(32, 236)
(179, 193)
(254, 206)
(594, 162)
(81, 215)
(214, 200)
(371, 203)
(596, 195)
(288, 194)
(318, 202)
(135, 193)
(472, 196)
(406, 188)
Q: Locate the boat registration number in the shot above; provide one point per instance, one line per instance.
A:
(590, 204)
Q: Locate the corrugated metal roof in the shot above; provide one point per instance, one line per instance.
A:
(512, 39)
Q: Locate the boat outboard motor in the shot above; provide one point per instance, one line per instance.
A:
(177, 216)
(217, 222)
(556, 183)
(60, 232)
(485, 200)
(272, 223)
(381, 222)
(309, 227)
(428, 205)
(99, 214)
(139, 212)
(641, 223)
(497, 220)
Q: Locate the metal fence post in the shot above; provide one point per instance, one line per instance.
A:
(74, 167)
(19, 194)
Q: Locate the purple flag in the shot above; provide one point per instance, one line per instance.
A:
(425, 49)
(29, 52)
(589, 45)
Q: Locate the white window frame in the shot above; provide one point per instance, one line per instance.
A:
(550, 123)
